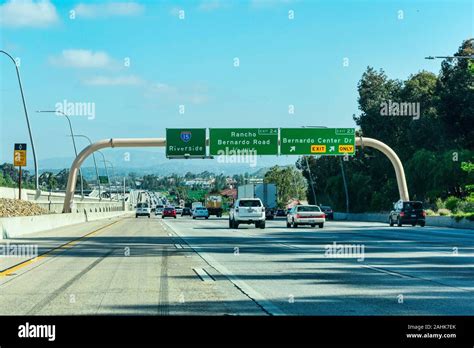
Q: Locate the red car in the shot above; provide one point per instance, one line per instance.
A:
(170, 212)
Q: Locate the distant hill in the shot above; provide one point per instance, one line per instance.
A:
(154, 162)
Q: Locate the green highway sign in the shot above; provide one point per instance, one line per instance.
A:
(317, 141)
(186, 142)
(234, 141)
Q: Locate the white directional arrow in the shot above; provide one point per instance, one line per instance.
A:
(292, 148)
(332, 148)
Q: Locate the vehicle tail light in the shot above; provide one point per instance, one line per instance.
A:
(324, 216)
(298, 216)
(424, 213)
(402, 214)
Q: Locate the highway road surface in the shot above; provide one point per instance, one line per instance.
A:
(129, 266)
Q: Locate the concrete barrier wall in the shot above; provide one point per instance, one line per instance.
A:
(21, 225)
(53, 201)
(437, 221)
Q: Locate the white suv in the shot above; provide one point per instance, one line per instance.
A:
(247, 211)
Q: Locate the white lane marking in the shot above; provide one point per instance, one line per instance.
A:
(203, 275)
(177, 246)
(247, 289)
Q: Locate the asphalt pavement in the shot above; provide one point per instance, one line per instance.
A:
(156, 266)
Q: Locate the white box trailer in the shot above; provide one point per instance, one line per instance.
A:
(266, 192)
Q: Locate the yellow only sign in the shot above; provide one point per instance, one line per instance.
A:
(19, 158)
(346, 148)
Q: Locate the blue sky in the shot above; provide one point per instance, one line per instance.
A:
(190, 62)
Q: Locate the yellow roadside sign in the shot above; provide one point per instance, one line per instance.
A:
(19, 155)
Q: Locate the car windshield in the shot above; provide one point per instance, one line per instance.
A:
(169, 209)
(142, 205)
(250, 203)
(308, 208)
(200, 208)
(325, 207)
(412, 205)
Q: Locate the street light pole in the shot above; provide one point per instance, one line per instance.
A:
(114, 176)
(311, 180)
(345, 184)
(106, 172)
(27, 121)
(95, 163)
(73, 140)
(450, 57)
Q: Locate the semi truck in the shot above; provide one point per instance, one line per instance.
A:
(214, 205)
(266, 192)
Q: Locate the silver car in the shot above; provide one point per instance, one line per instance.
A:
(305, 215)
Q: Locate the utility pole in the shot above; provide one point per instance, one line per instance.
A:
(311, 180)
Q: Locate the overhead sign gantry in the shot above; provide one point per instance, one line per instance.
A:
(191, 142)
(162, 142)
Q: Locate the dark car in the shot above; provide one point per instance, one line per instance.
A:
(407, 212)
(269, 214)
(169, 212)
(186, 211)
(280, 212)
(328, 211)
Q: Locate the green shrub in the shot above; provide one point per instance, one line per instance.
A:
(444, 212)
(439, 204)
(459, 216)
(430, 212)
(466, 207)
(452, 203)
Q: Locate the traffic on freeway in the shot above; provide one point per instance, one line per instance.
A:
(202, 167)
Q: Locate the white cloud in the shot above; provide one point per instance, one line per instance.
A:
(193, 94)
(27, 13)
(78, 58)
(163, 92)
(129, 80)
(108, 10)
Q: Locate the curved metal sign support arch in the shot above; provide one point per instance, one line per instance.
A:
(161, 142)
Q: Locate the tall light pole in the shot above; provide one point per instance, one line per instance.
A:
(345, 184)
(27, 121)
(106, 172)
(311, 180)
(450, 57)
(95, 163)
(114, 176)
(72, 137)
